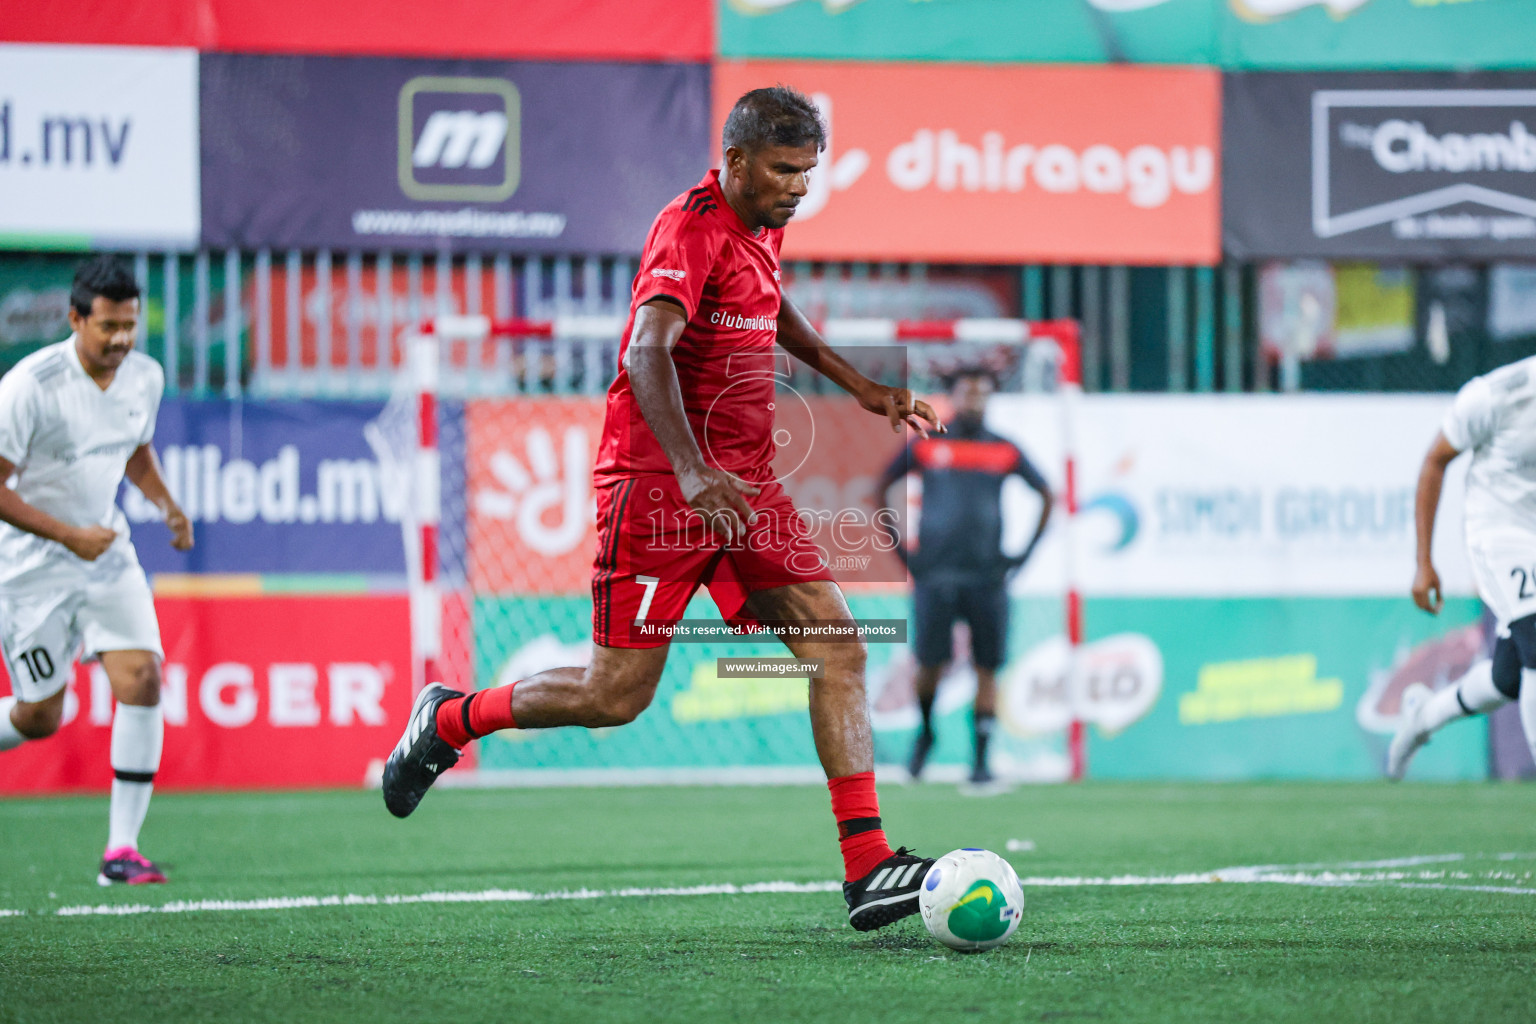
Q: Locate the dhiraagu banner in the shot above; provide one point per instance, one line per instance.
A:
(1398, 34)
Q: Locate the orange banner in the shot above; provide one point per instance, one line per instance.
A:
(532, 521)
(971, 163)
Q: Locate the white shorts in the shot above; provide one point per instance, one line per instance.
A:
(1504, 569)
(43, 631)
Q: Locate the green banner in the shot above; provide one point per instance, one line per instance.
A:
(1397, 34)
(1172, 688)
(701, 721)
(1288, 687)
(1038, 31)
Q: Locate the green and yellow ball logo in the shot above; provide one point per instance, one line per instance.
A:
(981, 915)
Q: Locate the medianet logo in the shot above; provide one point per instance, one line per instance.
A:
(460, 139)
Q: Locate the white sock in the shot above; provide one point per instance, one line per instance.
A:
(1473, 693)
(1528, 707)
(10, 739)
(137, 736)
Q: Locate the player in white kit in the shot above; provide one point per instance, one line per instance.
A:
(1493, 417)
(75, 417)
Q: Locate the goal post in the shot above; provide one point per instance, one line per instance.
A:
(491, 429)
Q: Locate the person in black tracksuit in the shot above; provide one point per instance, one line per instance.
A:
(959, 570)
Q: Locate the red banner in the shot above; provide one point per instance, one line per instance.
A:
(966, 163)
(594, 29)
(263, 692)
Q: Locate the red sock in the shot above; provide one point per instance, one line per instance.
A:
(857, 811)
(461, 719)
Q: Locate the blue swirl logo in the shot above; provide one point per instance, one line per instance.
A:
(1119, 506)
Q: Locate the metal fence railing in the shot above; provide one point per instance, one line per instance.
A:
(330, 323)
(292, 323)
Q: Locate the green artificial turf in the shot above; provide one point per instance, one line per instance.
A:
(1191, 953)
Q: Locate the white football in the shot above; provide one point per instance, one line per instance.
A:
(971, 900)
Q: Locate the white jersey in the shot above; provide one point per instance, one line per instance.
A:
(70, 442)
(1494, 416)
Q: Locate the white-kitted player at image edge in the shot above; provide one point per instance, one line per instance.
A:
(1493, 417)
(75, 417)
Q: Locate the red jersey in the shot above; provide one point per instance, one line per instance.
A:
(700, 255)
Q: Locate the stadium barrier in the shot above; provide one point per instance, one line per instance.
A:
(1244, 561)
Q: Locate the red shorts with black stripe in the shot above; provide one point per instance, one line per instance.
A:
(654, 552)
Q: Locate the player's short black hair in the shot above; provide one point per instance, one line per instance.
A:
(108, 276)
(775, 116)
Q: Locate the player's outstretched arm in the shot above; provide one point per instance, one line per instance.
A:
(143, 471)
(87, 542)
(714, 493)
(802, 341)
(1426, 502)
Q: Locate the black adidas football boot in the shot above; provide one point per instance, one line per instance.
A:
(420, 756)
(888, 893)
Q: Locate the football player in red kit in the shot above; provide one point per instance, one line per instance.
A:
(686, 496)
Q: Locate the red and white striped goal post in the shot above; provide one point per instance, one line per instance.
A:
(422, 358)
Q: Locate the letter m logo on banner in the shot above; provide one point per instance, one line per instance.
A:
(460, 139)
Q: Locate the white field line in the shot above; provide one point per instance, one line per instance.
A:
(1271, 874)
(1468, 888)
(1254, 876)
(481, 896)
(1394, 862)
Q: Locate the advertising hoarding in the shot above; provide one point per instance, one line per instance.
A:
(1061, 164)
(277, 487)
(1388, 34)
(381, 153)
(1231, 33)
(592, 29)
(1180, 495)
(1412, 168)
(270, 692)
(98, 147)
(1283, 687)
(1240, 495)
(531, 516)
(1190, 688)
(703, 726)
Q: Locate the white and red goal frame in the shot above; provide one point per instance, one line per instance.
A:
(423, 362)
